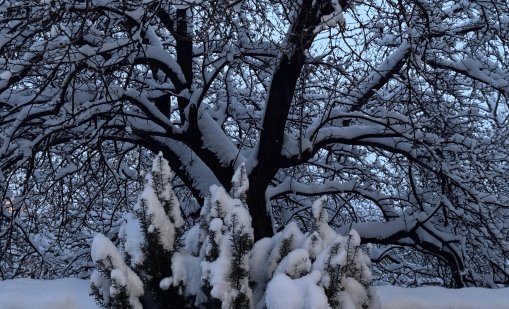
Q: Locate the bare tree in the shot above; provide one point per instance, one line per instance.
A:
(395, 109)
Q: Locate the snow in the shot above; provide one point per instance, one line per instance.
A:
(229, 220)
(106, 255)
(294, 238)
(159, 219)
(257, 260)
(240, 182)
(283, 292)
(295, 264)
(218, 143)
(393, 297)
(355, 291)
(133, 237)
(156, 193)
(68, 293)
(73, 293)
(4, 78)
(332, 19)
(186, 271)
(165, 283)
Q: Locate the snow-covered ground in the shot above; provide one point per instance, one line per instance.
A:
(393, 297)
(68, 293)
(72, 293)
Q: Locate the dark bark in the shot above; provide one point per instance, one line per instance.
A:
(271, 140)
(279, 101)
(184, 56)
(193, 136)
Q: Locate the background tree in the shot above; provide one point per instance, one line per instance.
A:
(396, 109)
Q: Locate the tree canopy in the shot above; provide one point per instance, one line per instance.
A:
(397, 110)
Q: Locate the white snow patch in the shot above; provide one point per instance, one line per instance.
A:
(133, 237)
(393, 297)
(104, 252)
(4, 78)
(73, 293)
(165, 283)
(68, 293)
(285, 293)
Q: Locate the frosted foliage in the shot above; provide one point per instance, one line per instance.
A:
(321, 216)
(217, 274)
(295, 264)
(133, 238)
(258, 266)
(219, 265)
(240, 183)
(112, 275)
(314, 244)
(118, 282)
(193, 239)
(330, 266)
(239, 221)
(355, 290)
(283, 292)
(285, 241)
(230, 223)
(105, 252)
(319, 213)
(159, 221)
(148, 238)
(101, 284)
(160, 179)
(214, 262)
(186, 272)
(160, 203)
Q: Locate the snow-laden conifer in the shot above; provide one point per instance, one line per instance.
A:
(216, 263)
(240, 184)
(113, 283)
(159, 206)
(230, 230)
(212, 267)
(149, 239)
(344, 266)
(323, 270)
